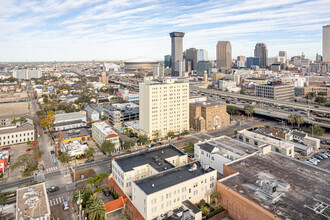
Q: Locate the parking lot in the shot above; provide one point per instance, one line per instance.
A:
(322, 162)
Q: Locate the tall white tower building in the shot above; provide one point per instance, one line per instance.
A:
(164, 106)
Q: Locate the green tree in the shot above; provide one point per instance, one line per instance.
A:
(25, 160)
(84, 193)
(45, 100)
(299, 119)
(185, 132)
(64, 157)
(170, 134)
(28, 142)
(232, 110)
(103, 118)
(157, 134)
(322, 93)
(310, 95)
(318, 130)
(95, 208)
(242, 91)
(189, 148)
(292, 119)
(320, 99)
(89, 152)
(267, 126)
(128, 144)
(248, 109)
(205, 210)
(3, 198)
(108, 147)
(143, 139)
(215, 196)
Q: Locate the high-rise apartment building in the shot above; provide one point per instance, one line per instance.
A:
(282, 56)
(224, 58)
(202, 55)
(27, 74)
(164, 107)
(261, 52)
(167, 61)
(191, 55)
(176, 52)
(326, 43)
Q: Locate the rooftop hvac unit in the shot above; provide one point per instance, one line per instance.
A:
(193, 167)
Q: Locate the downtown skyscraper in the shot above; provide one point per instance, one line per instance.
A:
(224, 58)
(326, 43)
(261, 51)
(177, 53)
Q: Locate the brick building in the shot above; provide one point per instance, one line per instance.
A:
(266, 185)
(207, 116)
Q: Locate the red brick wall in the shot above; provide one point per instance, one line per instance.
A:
(240, 208)
(227, 171)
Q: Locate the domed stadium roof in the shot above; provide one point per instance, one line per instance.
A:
(141, 60)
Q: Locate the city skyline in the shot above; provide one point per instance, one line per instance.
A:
(119, 30)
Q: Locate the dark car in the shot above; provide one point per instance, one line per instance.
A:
(106, 192)
(89, 160)
(53, 189)
(52, 152)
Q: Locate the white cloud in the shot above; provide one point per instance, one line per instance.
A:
(120, 29)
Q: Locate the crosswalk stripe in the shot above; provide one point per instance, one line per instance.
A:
(59, 199)
(56, 201)
(50, 201)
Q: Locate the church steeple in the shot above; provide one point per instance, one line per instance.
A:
(103, 69)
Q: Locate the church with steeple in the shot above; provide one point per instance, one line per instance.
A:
(103, 78)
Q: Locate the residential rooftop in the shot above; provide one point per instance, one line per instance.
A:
(155, 157)
(32, 201)
(104, 128)
(166, 179)
(298, 184)
(72, 116)
(206, 104)
(263, 138)
(14, 129)
(228, 144)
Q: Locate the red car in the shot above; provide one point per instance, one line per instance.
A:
(180, 139)
(316, 113)
(6, 148)
(29, 149)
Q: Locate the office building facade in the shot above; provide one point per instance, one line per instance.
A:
(202, 55)
(167, 61)
(274, 90)
(176, 52)
(224, 57)
(203, 66)
(326, 43)
(164, 106)
(261, 51)
(16, 135)
(282, 57)
(191, 55)
(252, 62)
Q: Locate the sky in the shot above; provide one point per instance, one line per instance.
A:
(74, 30)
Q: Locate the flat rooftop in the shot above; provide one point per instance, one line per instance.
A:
(155, 157)
(33, 202)
(171, 177)
(263, 138)
(69, 117)
(206, 104)
(104, 128)
(228, 144)
(13, 129)
(298, 182)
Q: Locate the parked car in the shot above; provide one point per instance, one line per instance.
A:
(53, 189)
(65, 205)
(29, 149)
(89, 160)
(6, 148)
(106, 192)
(319, 157)
(179, 139)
